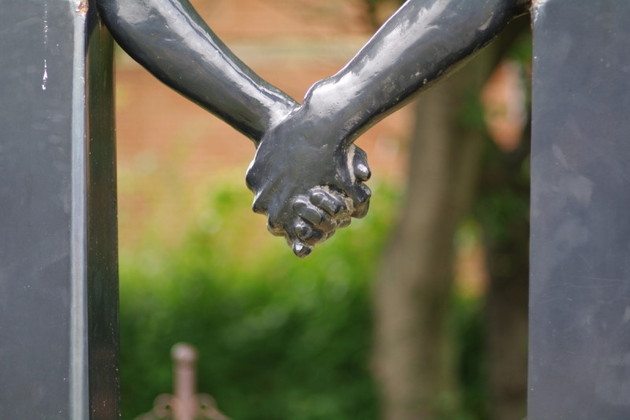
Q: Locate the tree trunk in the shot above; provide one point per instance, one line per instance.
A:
(413, 358)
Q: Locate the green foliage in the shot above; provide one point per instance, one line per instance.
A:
(278, 337)
(468, 320)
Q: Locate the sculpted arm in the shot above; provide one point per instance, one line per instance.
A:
(419, 44)
(171, 40)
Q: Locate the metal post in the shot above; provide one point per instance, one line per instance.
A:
(185, 403)
(58, 265)
(580, 243)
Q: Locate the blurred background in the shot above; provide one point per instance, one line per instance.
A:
(418, 311)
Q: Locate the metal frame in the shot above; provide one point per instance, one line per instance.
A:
(58, 265)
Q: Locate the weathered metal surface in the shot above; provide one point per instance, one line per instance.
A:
(580, 243)
(417, 46)
(102, 235)
(184, 403)
(58, 285)
(310, 191)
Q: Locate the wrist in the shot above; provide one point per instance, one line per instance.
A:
(279, 109)
(329, 108)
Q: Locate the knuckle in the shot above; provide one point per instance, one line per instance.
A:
(364, 193)
(302, 230)
(306, 233)
(344, 223)
(274, 228)
(360, 165)
(361, 194)
(315, 237)
(361, 210)
(327, 202)
(300, 249)
(317, 196)
(308, 212)
(259, 206)
(252, 178)
(362, 171)
(360, 154)
(327, 224)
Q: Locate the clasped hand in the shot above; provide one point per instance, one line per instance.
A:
(307, 181)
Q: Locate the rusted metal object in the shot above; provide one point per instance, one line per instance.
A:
(185, 403)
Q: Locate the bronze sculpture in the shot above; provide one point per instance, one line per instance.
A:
(307, 175)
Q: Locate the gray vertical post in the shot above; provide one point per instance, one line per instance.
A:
(58, 265)
(580, 243)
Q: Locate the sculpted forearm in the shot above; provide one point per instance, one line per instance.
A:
(171, 40)
(421, 43)
(306, 191)
(307, 176)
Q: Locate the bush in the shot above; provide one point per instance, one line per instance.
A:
(278, 337)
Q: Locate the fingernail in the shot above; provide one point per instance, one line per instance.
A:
(326, 202)
(301, 250)
(365, 193)
(308, 213)
(362, 172)
(302, 230)
(317, 197)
